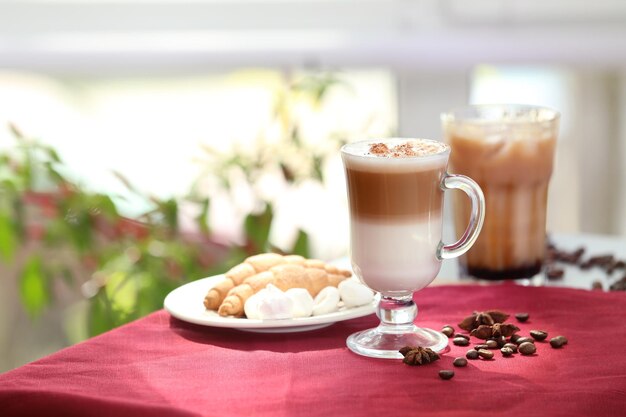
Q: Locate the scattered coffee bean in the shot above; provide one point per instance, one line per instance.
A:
(527, 348)
(501, 341)
(511, 346)
(448, 331)
(472, 354)
(577, 254)
(464, 336)
(521, 340)
(481, 346)
(506, 351)
(485, 354)
(522, 317)
(619, 285)
(562, 339)
(601, 260)
(491, 344)
(554, 273)
(538, 335)
(514, 338)
(610, 268)
(597, 285)
(460, 362)
(459, 341)
(554, 254)
(446, 374)
(556, 343)
(585, 265)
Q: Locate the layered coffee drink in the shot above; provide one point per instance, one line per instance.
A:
(395, 203)
(509, 152)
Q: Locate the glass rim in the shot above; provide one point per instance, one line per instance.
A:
(444, 152)
(463, 113)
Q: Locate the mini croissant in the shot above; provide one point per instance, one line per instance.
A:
(254, 265)
(283, 276)
(236, 275)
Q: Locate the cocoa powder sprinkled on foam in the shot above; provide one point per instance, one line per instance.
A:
(379, 149)
(406, 150)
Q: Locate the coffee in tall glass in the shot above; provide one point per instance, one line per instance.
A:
(509, 151)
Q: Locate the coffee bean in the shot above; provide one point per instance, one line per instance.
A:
(460, 362)
(562, 339)
(556, 343)
(554, 273)
(492, 344)
(464, 336)
(459, 341)
(511, 346)
(506, 351)
(472, 354)
(601, 260)
(538, 335)
(522, 317)
(514, 337)
(527, 348)
(501, 341)
(485, 354)
(585, 265)
(481, 346)
(619, 285)
(448, 331)
(521, 340)
(446, 374)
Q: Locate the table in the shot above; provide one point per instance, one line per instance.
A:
(161, 366)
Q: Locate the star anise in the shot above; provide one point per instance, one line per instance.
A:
(478, 318)
(496, 330)
(417, 355)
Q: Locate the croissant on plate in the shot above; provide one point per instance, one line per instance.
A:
(284, 277)
(254, 265)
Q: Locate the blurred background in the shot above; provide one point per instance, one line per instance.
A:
(145, 143)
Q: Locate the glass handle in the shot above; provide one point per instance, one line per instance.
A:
(477, 217)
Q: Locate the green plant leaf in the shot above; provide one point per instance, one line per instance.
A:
(52, 154)
(169, 209)
(8, 238)
(81, 229)
(301, 247)
(257, 227)
(201, 220)
(34, 290)
(101, 315)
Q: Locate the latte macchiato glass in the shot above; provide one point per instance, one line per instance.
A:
(509, 151)
(395, 193)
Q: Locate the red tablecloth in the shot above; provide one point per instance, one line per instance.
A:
(159, 366)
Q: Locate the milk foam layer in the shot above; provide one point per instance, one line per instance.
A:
(357, 156)
(396, 257)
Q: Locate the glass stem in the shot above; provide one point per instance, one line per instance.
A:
(397, 312)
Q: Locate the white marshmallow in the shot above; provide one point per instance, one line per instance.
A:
(327, 301)
(251, 307)
(269, 304)
(302, 302)
(355, 294)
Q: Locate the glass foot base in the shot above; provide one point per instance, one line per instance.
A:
(385, 342)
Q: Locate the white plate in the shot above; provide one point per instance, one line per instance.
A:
(185, 303)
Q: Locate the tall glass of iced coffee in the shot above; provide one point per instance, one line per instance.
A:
(509, 151)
